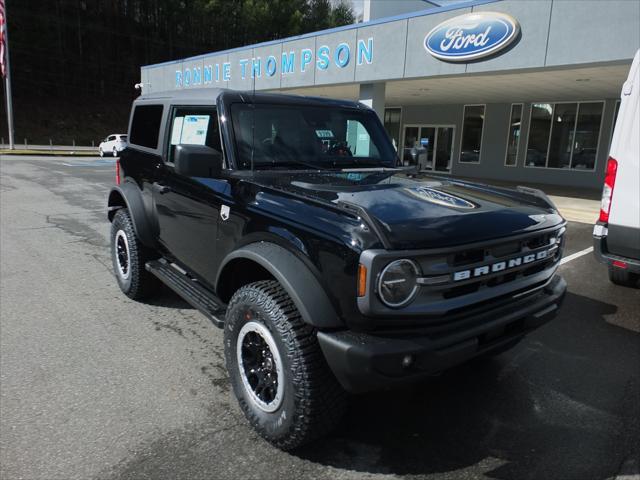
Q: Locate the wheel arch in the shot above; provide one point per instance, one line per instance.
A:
(128, 195)
(265, 260)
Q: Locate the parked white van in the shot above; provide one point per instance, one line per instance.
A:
(617, 232)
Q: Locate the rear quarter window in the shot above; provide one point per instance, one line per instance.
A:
(145, 126)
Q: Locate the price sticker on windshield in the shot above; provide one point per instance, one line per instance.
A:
(324, 134)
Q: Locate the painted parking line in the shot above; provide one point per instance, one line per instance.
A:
(579, 254)
(91, 163)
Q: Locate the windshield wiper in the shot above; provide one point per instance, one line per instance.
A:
(353, 163)
(289, 163)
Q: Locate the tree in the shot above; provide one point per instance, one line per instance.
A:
(89, 52)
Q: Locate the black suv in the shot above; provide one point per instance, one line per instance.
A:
(287, 222)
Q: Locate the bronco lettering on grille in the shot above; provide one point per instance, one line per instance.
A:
(503, 265)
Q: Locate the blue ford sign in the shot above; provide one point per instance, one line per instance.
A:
(471, 36)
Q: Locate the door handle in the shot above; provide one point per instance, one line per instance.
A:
(161, 189)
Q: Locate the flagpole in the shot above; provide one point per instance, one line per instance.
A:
(7, 80)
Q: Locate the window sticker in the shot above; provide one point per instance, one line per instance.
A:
(325, 134)
(176, 132)
(194, 129)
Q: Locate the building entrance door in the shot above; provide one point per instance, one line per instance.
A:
(428, 146)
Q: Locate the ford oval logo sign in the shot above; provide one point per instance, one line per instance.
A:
(440, 198)
(471, 36)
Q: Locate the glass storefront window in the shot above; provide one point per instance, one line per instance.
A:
(472, 133)
(515, 126)
(564, 122)
(564, 135)
(539, 129)
(444, 143)
(429, 147)
(410, 145)
(392, 124)
(586, 138)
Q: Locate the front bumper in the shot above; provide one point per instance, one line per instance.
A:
(604, 256)
(364, 361)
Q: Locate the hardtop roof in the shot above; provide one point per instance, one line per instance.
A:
(208, 96)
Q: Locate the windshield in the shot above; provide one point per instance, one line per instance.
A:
(304, 136)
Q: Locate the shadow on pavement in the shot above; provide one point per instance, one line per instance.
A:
(562, 404)
(165, 297)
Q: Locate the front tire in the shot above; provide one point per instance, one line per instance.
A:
(129, 256)
(115, 152)
(278, 373)
(622, 277)
(101, 152)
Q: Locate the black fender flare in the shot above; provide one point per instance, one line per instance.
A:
(296, 278)
(129, 194)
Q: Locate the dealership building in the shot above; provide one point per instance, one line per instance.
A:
(513, 90)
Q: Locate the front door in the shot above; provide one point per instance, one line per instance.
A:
(188, 207)
(428, 146)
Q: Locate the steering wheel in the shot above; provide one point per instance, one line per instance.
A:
(340, 149)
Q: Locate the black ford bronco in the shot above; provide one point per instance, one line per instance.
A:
(288, 222)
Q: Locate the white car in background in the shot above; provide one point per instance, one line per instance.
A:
(113, 145)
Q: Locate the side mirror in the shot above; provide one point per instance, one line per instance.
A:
(197, 161)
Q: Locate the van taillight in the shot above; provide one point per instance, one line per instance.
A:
(607, 191)
(118, 171)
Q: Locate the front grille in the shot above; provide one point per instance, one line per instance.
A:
(471, 259)
(464, 277)
(501, 250)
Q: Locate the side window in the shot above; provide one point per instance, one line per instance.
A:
(146, 125)
(111, 138)
(193, 126)
(359, 140)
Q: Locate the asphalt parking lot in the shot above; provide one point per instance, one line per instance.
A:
(94, 385)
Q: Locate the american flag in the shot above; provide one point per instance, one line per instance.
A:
(3, 46)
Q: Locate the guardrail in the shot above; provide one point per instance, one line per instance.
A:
(28, 146)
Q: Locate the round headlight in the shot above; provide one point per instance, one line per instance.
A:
(397, 284)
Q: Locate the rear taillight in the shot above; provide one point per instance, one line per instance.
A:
(607, 190)
(118, 171)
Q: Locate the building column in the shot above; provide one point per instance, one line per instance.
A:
(372, 95)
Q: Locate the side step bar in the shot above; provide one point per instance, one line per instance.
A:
(194, 293)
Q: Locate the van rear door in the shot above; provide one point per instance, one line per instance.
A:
(624, 214)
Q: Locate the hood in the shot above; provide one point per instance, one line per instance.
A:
(422, 211)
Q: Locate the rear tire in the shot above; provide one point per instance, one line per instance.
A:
(129, 256)
(622, 277)
(289, 395)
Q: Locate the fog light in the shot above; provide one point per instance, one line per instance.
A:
(407, 361)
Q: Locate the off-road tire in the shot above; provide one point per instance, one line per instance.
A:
(313, 402)
(138, 283)
(622, 277)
